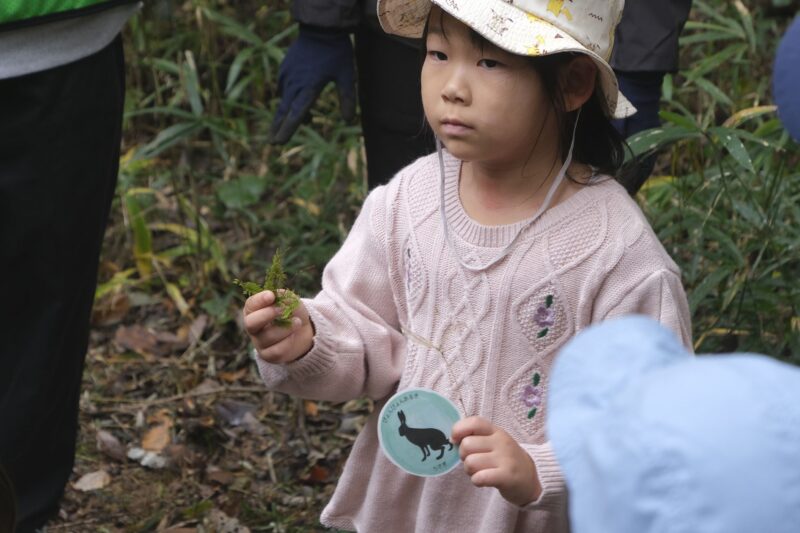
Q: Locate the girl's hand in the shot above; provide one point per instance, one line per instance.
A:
(493, 459)
(276, 344)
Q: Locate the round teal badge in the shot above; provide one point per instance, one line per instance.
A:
(414, 432)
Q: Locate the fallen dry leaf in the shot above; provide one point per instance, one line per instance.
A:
(110, 309)
(197, 328)
(111, 446)
(222, 523)
(311, 408)
(318, 474)
(253, 425)
(207, 385)
(162, 417)
(149, 343)
(136, 338)
(93, 481)
(172, 342)
(233, 412)
(233, 377)
(156, 439)
(181, 455)
(218, 475)
(159, 437)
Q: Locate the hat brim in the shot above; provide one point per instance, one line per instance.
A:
(591, 370)
(509, 28)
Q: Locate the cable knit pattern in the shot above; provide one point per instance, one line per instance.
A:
(397, 310)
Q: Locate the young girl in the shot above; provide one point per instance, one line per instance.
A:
(468, 271)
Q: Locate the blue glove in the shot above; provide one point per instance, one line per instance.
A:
(317, 57)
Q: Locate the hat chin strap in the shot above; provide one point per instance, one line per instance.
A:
(545, 205)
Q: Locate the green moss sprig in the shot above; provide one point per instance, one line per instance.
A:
(275, 281)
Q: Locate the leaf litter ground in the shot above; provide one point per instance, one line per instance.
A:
(177, 434)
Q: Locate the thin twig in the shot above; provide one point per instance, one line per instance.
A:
(196, 348)
(132, 404)
(271, 468)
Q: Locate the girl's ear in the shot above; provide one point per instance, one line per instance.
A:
(578, 78)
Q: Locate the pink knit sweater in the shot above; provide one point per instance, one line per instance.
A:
(394, 291)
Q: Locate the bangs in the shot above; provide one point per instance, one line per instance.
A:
(479, 41)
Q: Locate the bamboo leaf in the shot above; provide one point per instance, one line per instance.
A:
(236, 68)
(192, 84)
(679, 120)
(747, 22)
(206, 238)
(232, 27)
(175, 294)
(653, 139)
(241, 192)
(168, 137)
(714, 91)
(734, 146)
(118, 280)
(727, 244)
(746, 114)
(142, 238)
(715, 61)
(710, 283)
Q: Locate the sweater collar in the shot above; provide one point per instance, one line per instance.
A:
(476, 234)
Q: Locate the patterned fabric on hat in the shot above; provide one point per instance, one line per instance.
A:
(530, 28)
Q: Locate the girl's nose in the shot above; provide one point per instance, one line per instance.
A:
(456, 89)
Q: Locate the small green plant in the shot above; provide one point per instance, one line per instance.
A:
(275, 281)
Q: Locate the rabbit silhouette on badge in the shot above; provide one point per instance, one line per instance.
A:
(424, 438)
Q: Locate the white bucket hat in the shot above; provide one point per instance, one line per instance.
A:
(529, 28)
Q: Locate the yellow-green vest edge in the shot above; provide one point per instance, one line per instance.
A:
(15, 14)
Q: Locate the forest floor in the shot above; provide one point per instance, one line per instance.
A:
(169, 443)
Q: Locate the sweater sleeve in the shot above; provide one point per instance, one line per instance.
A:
(358, 347)
(553, 496)
(659, 296)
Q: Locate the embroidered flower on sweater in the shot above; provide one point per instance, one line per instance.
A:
(545, 317)
(532, 395)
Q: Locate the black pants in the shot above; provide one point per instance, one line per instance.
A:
(392, 118)
(60, 136)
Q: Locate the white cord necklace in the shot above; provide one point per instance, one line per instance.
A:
(542, 208)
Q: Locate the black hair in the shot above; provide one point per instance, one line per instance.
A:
(597, 141)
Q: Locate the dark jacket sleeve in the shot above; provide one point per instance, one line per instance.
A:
(333, 14)
(647, 35)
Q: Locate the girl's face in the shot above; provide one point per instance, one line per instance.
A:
(486, 105)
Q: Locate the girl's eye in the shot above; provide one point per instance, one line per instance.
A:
(489, 63)
(438, 56)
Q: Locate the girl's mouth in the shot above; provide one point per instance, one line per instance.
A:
(454, 127)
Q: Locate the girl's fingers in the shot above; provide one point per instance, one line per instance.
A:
(258, 301)
(259, 319)
(488, 477)
(269, 336)
(477, 462)
(474, 444)
(473, 425)
(283, 351)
